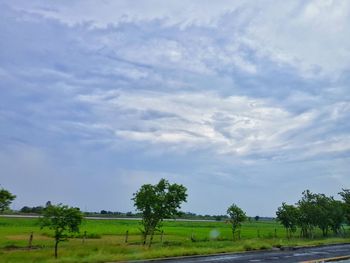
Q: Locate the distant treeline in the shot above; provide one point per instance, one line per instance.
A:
(117, 214)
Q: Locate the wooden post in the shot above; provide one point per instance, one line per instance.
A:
(192, 237)
(84, 237)
(161, 237)
(126, 236)
(258, 233)
(275, 232)
(30, 243)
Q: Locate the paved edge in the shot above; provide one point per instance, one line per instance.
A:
(327, 259)
(243, 252)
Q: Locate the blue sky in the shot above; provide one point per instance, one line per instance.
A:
(240, 101)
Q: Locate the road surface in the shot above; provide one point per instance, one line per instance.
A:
(285, 256)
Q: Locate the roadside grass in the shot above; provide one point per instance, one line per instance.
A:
(105, 240)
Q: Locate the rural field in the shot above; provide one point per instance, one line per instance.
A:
(106, 240)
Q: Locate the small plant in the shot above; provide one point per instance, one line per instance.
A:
(247, 247)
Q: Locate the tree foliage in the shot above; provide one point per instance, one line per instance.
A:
(312, 211)
(288, 216)
(34, 209)
(6, 199)
(62, 220)
(236, 217)
(345, 194)
(156, 202)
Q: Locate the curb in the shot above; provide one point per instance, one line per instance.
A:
(327, 259)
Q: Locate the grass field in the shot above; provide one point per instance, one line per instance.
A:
(106, 240)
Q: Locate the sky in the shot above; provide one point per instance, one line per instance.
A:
(244, 102)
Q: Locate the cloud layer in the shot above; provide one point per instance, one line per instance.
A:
(222, 97)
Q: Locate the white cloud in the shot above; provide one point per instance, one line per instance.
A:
(212, 90)
(313, 37)
(110, 12)
(233, 125)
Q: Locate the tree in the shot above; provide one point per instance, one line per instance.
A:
(331, 214)
(26, 209)
(63, 220)
(156, 202)
(345, 194)
(236, 217)
(319, 210)
(288, 216)
(34, 209)
(336, 215)
(310, 216)
(257, 218)
(6, 199)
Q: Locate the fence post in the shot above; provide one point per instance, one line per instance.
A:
(192, 237)
(30, 243)
(161, 237)
(84, 237)
(126, 236)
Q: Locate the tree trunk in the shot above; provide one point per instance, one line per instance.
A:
(56, 247)
(144, 236)
(151, 239)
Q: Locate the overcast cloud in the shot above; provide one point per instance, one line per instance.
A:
(240, 101)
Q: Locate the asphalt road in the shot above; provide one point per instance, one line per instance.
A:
(286, 256)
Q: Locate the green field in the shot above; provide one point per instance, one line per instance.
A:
(106, 240)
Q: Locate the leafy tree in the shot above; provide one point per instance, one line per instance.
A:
(310, 213)
(26, 209)
(345, 194)
(156, 202)
(323, 208)
(319, 210)
(35, 209)
(314, 210)
(288, 216)
(236, 217)
(6, 199)
(336, 215)
(63, 220)
(257, 218)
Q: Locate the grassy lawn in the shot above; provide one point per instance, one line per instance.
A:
(106, 240)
